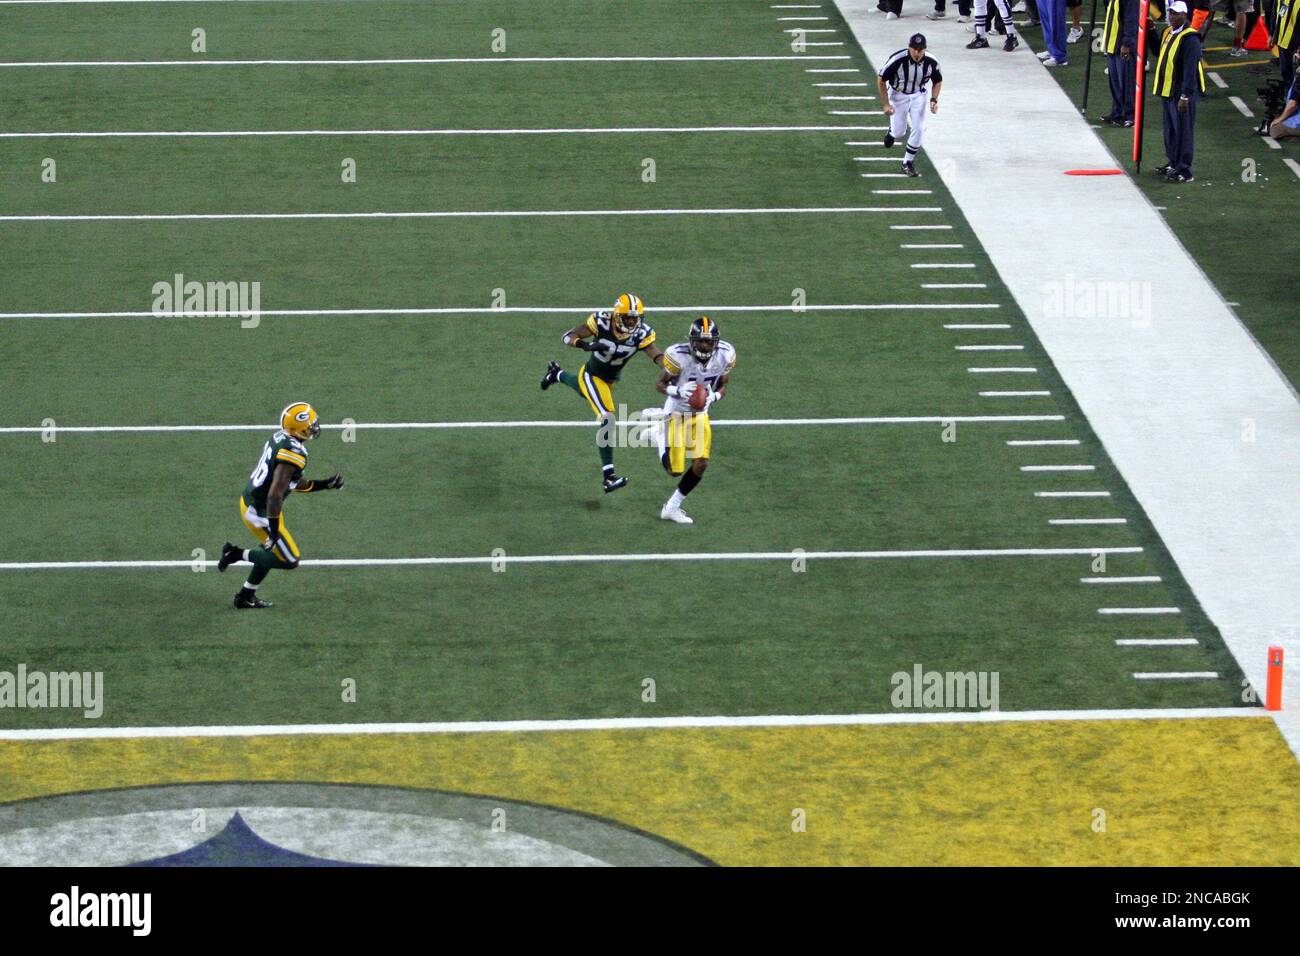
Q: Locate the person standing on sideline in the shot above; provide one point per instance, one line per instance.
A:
(901, 84)
(941, 6)
(1052, 13)
(892, 9)
(1287, 38)
(981, 25)
(1179, 81)
(1117, 41)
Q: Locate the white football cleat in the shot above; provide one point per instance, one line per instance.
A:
(676, 514)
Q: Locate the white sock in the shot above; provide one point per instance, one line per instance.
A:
(675, 501)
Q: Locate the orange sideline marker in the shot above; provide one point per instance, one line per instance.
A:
(1273, 695)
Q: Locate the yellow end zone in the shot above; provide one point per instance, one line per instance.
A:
(1173, 792)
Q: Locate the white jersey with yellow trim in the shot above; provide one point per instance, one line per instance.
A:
(681, 362)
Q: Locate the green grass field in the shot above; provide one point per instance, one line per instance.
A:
(547, 640)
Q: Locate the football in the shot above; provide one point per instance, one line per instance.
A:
(699, 398)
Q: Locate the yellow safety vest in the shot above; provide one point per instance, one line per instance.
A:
(1286, 22)
(1163, 81)
(1110, 36)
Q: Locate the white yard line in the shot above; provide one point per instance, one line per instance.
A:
(849, 69)
(847, 97)
(931, 245)
(843, 84)
(1177, 675)
(1217, 80)
(1058, 467)
(989, 348)
(1156, 641)
(565, 423)
(902, 192)
(488, 310)
(1071, 494)
(637, 723)
(666, 556)
(1140, 579)
(923, 227)
(968, 326)
(418, 61)
(1035, 393)
(1139, 610)
(1089, 521)
(1003, 370)
(1028, 442)
(535, 131)
(855, 112)
(942, 265)
(1242, 108)
(881, 175)
(1271, 143)
(469, 214)
(1156, 394)
(954, 285)
(1295, 167)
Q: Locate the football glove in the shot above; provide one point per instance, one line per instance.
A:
(332, 483)
(681, 391)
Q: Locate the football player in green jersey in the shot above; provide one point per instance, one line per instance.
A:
(278, 472)
(615, 337)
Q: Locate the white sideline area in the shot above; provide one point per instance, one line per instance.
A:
(1174, 398)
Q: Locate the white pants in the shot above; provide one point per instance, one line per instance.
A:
(908, 108)
(982, 12)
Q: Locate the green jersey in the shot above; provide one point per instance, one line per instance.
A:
(609, 361)
(281, 447)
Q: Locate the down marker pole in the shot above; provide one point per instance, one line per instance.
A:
(1273, 695)
(1140, 90)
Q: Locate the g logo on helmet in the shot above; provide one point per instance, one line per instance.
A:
(300, 420)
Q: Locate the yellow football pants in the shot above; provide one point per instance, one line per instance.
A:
(597, 392)
(688, 435)
(286, 550)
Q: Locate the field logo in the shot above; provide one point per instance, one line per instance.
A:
(103, 909)
(74, 689)
(209, 300)
(946, 690)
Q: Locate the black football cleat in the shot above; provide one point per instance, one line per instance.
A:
(979, 43)
(1179, 178)
(1011, 44)
(614, 482)
(229, 555)
(1160, 171)
(552, 375)
(889, 140)
(244, 602)
(910, 170)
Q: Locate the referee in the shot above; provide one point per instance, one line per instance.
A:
(901, 83)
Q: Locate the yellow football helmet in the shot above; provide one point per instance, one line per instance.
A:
(628, 311)
(299, 420)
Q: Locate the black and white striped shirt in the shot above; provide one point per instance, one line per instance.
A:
(903, 75)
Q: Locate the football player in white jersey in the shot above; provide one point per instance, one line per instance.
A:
(703, 365)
